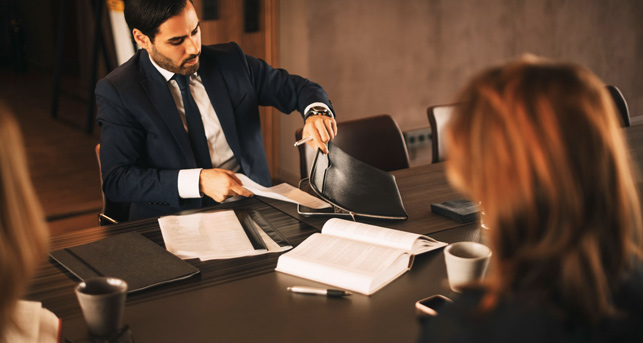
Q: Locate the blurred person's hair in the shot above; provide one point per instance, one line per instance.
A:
(23, 231)
(539, 145)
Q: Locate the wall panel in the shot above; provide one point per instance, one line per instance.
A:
(400, 56)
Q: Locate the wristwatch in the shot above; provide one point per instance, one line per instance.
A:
(317, 111)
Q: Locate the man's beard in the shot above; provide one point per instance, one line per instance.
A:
(169, 65)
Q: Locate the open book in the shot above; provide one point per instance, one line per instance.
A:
(359, 257)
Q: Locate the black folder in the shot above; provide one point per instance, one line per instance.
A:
(358, 189)
(129, 256)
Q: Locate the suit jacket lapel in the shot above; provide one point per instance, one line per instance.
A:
(213, 81)
(160, 95)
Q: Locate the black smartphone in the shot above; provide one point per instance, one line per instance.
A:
(432, 305)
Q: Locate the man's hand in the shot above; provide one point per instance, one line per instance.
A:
(220, 184)
(322, 129)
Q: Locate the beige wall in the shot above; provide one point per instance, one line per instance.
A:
(400, 56)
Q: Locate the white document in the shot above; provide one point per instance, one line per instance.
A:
(283, 192)
(210, 235)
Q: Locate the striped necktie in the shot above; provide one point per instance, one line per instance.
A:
(195, 124)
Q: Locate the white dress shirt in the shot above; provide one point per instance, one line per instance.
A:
(220, 152)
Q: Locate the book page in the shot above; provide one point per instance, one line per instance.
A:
(340, 262)
(215, 235)
(410, 242)
(370, 233)
(354, 256)
(283, 192)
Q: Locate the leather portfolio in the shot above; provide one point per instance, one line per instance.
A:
(128, 256)
(355, 188)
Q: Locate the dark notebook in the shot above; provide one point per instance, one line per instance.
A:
(460, 210)
(129, 256)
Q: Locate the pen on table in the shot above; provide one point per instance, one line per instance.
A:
(302, 141)
(318, 291)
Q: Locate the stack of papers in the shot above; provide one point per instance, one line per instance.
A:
(220, 235)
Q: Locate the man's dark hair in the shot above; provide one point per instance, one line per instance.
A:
(148, 15)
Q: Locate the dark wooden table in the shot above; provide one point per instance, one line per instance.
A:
(241, 300)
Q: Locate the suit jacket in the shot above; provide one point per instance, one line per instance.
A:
(144, 143)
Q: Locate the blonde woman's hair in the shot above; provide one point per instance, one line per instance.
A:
(539, 144)
(23, 232)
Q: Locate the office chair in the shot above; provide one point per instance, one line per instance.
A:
(113, 212)
(438, 118)
(375, 140)
(621, 104)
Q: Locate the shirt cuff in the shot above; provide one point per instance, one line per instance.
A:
(322, 105)
(188, 183)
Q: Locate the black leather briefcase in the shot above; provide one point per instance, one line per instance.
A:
(354, 188)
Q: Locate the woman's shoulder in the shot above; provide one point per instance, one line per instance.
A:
(629, 291)
(464, 321)
(628, 299)
(526, 318)
(37, 324)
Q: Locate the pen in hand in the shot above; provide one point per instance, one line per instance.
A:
(318, 291)
(302, 141)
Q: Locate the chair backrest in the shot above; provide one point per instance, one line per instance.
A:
(439, 116)
(621, 104)
(375, 140)
(113, 212)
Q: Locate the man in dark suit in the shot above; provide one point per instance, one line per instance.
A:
(179, 119)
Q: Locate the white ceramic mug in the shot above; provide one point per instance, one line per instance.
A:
(102, 300)
(466, 263)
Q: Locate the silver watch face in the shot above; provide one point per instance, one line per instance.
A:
(319, 110)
